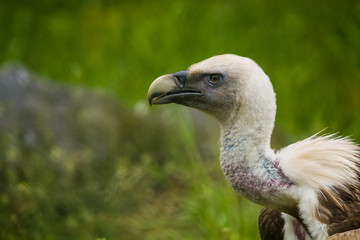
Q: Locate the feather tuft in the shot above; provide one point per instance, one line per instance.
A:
(321, 162)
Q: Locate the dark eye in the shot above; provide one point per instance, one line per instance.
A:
(215, 79)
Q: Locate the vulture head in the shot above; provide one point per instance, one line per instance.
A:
(223, 86)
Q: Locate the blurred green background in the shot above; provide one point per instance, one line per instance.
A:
(141, 173)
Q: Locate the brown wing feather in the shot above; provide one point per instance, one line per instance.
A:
(271, 224)
(339, 208)
(349, 235)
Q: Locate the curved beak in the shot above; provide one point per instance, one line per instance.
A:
(169, 87)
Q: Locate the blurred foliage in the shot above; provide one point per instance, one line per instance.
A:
(149, 188)
(309, 49)
(77, 164)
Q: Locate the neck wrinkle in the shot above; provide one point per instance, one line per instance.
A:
(250, 165)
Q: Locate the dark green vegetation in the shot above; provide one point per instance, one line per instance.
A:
(105, 170)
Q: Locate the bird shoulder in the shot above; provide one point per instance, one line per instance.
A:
(328, 167)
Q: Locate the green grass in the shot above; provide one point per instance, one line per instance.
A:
(154, 173)
(166, 190)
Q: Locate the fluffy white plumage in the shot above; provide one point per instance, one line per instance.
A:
(321, 162)
(315, 164)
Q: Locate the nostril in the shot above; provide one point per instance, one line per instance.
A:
(180, 78)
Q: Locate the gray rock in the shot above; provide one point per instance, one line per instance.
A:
(37, 113)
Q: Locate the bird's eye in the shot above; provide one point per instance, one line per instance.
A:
(215, 79)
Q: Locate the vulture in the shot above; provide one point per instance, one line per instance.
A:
(309, 189)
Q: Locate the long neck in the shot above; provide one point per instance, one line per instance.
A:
(246, 135)
(249, 163)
